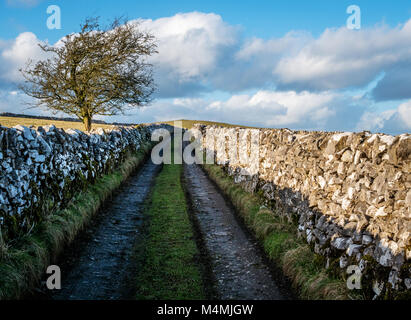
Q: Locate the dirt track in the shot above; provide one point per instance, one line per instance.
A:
(98, 266)
(236, 261)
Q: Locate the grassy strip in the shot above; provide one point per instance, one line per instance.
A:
(299, 263)
(23, 265)
(171, 268)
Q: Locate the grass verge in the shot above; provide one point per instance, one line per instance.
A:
(171, 265)
(280, 242)
(25, 262)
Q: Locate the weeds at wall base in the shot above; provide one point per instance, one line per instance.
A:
(281, 243)
(280, 240)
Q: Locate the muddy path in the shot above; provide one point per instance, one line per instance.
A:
(238, 264)
(99, 264)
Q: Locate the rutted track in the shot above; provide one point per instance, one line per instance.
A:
(99, 265)
(237, 262)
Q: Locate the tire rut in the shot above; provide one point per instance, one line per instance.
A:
(237, 262)
(99, 265)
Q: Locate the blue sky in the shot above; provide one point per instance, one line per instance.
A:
(260, 18)
(266, 63)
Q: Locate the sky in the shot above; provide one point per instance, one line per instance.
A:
(277, 64)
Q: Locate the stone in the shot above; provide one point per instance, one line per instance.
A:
(347, 156)
(321, 182)
(366, 239)
(360, 181)
(380, 212)
(340, 243)
(28, 158)
(378, 287)
(387, 259)
(407, 282)
(39, 158)
(407, 198)
(393, 279)
(353, 249)
(2, 199)
(343, 262)
(26, 132)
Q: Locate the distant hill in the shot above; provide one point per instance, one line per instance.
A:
(11, 119)
(187, 124)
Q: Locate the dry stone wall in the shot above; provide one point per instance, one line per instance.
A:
(349, 194)
(42, 169)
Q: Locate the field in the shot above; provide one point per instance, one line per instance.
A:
(188, 124)
(13, 121)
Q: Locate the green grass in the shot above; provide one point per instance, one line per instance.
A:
(279, 239)
(171, 266)
(23, 264)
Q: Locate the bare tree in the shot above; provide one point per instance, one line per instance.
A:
(98, 71)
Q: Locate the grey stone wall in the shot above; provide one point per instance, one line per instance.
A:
(41, 170)
(348, 193)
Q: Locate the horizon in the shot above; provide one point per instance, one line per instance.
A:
(259, 64)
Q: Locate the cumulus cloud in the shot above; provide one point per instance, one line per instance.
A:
(264, 108)
(285, 109)
(274, 109)
(200, 52)
(342, 58)
(297, 81)
(394, 121)
(190, 46)
(16, 54)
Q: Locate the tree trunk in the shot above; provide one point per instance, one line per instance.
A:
(87, 123)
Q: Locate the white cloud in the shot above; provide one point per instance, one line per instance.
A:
(275, 109)
(200, 53)
(342, 58)
(264, 108)
(16, 55)
(292, 42)
(190, 46)
(394, 121)
(404, 111)
(190, 43)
